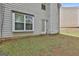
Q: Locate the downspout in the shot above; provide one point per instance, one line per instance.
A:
(58, 6)
(2, 19)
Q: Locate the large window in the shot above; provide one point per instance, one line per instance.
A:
(23, 22)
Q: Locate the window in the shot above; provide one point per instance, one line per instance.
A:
(23, 22)
(43, 6)
(28, 22)
(19, 21)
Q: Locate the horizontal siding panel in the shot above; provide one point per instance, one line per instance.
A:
(25, 8)
(30, 8)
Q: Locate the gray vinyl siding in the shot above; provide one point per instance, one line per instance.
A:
(51, 14)
(1, 17)
(53, 18)
(0, 20)
(32, 8)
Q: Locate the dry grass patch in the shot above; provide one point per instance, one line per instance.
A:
(41, 45)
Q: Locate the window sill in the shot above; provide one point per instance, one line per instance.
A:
(23, 31)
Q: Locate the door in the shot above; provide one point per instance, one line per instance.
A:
(43, 26)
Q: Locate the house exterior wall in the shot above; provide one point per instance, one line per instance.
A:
(0, 20)
(31, 9)
(69, 17)
(51, 14)
(1, 17)
(53, 18)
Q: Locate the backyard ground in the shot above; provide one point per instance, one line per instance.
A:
(48, 45)
(70, 31)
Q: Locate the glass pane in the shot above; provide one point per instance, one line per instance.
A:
(43, 6)
(19, 17)
(28, 26)
(19, 26)
(29, 17)
(29, 21)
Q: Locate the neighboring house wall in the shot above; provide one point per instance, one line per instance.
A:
(78, 18)
(51, 14)
(69, 17)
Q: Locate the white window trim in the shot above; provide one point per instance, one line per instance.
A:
(13, 21)
(13, 24)
(24, 23)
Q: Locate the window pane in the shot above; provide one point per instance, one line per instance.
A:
(43, 6)
(28, 26)
(29, 17)
(29, 21)
(19, 26)
(19, 17)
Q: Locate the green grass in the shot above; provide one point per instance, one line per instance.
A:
(39, 45)
(71, 33)
(27, 46)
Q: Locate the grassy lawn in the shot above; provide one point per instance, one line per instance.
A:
(41, 45)
(76, 34)
(70, 31)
